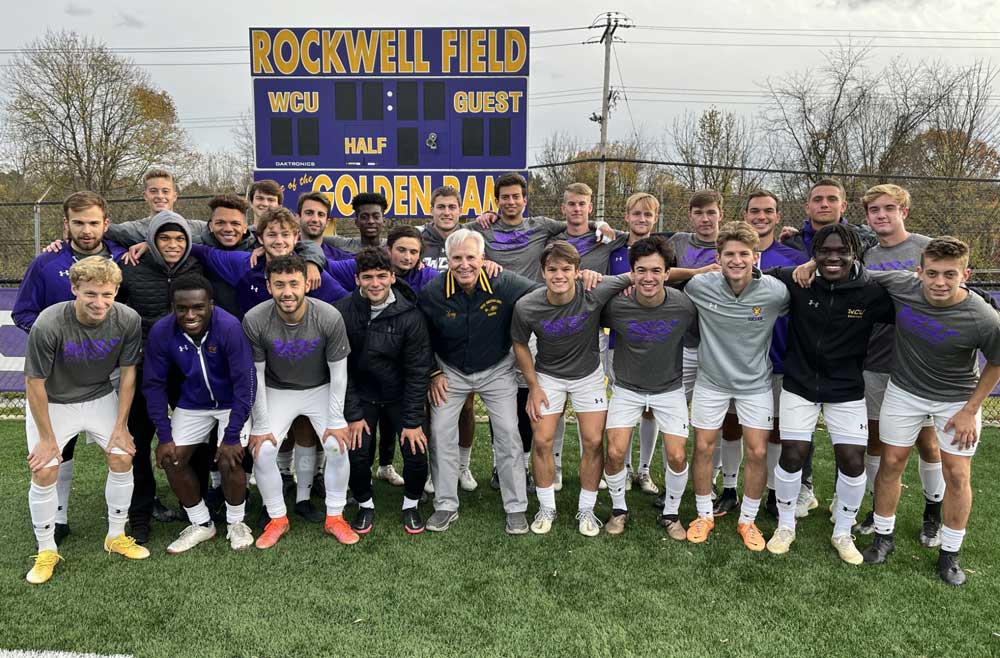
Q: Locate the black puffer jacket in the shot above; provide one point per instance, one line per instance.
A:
(146, 286)
(390, 355)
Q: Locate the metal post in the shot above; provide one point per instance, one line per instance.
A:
(609, 31)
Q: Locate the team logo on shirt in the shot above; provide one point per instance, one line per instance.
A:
(813, 303)
(507, 241)
(491, 306)
(182, 348)
(923, 326)
(88, 350)
(564, 326)
(294, 350)
(757, 314)
(450, 315)
(211, 349)
(855, 312)
(63, 272)
(650, 331)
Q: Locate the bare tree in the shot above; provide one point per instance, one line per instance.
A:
(716, 138)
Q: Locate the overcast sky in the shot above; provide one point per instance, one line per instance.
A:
(677, 77)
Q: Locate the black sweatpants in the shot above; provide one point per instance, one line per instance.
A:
(523, 421)
(362, 458)
(142, 429)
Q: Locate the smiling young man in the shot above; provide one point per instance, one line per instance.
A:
(650, 324)
(206, 345)
(369, 219)
(73, 347)
(300, 350)
(263, 196)
(390, 362)
(737, 308)
(565, 318)
(404, 247)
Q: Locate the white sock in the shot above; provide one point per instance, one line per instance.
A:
(305, 471)
(732, 458)
(587, 500)
(265, 469)
(464, 458)
(850, 493)
(42, 502)
(64, 482)
(703, 505)
(647, 442)
(871, 470)
(198, 515)
(932, 480)
(410, 503)
(884, 525)
(546, 497)
(773, 454)
(558, 441)
(951, 539)
(673, 489)
(338, 472)
(786, 493)
(368, 504)
(717, 459)
(616, 487)
(284, 461)
(214, 479)
(527, 460)
(118, 494)
(235, 513)
(748, 509)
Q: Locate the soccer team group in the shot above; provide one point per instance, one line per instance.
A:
(253, 346)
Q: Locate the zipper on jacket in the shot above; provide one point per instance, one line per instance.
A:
(819, 338)
(204, 369)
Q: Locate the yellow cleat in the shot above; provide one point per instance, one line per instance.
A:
(125, 545)
(45, 563)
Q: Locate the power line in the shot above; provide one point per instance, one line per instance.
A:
(879, 31)
(689, 44)
(792, 33)
(621, 81)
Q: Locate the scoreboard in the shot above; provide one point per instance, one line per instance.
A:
(398, 111)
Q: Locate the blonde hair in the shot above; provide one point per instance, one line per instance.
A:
(737, 232)
(158, 173)
(95, 269)
(644, 198)
(577, 188)
(898, 194)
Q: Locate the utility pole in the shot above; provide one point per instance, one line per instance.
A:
(612, 20)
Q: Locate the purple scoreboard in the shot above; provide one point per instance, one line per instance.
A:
(393, 110)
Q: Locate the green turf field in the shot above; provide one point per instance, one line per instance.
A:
(473, 591)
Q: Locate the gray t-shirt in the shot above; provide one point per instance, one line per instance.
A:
(935, 350)
(649, 340)
(691, 252)
(296, 356)
(594, 255)
(567, 335)
(76, 360)
(736, 331)
(518, 248)
(904, 256)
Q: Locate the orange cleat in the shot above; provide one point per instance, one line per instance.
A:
(341, 529)
(698, 530)
(752, 538)
(272, 532)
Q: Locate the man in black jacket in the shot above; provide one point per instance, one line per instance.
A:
(830, 323)
(389, 363)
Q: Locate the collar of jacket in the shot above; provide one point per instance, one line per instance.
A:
(451, 286)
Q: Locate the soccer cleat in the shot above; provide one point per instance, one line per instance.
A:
(867, 526)
(544, 518)
(412, 522)
(726, 503)
(628, 480)
(881, 546)
(930, 531)
(590, 525)
(806, 502)
(62, 530)
(949, 569)
(771, 504)
(272, 532)
(616, 524)
(699, 528)
(389, 474)
(646, 484)
(45, 564)
(529, 483)
(517, 524)
(846, 549)
(495, 480)
(752, 538)
(363, 520)
(781, 541)
(125, 546)
(239, 536)
(557, 484)
(341, 530)
(466, 481)
(308, 511)
(441, 519)
(675, 529)
(190, 537)
(164, 514)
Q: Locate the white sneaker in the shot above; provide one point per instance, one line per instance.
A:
(466, 481)
(590, 525)
(646, 484)
(190, 537)
(239, 536)
(429, 486)
(389, 474)
(806, 501)
(543, 521)
(848, 552)
(628, 480)
(557, 483)
(781, 540)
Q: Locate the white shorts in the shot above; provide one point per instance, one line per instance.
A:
(587, 394)
(533, 348)
(903, 414)
(875, 383)
(776, 381)
(846, 422)
(95, 417)
(708, 409)
(689, 370)
(669, 409)
(191, 426)
(285, 405)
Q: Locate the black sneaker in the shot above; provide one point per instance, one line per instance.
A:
(867, 526)
(162, 513)
(319, 487)
(363, 520)
(412, 522)
(726, 503)
(879, 550)
(139, 530)
(949, 569)
(262, 520)
(529, 483)
(930, 532)
(771, 505)
(495, 480)
(308, 511)
(62, 530)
